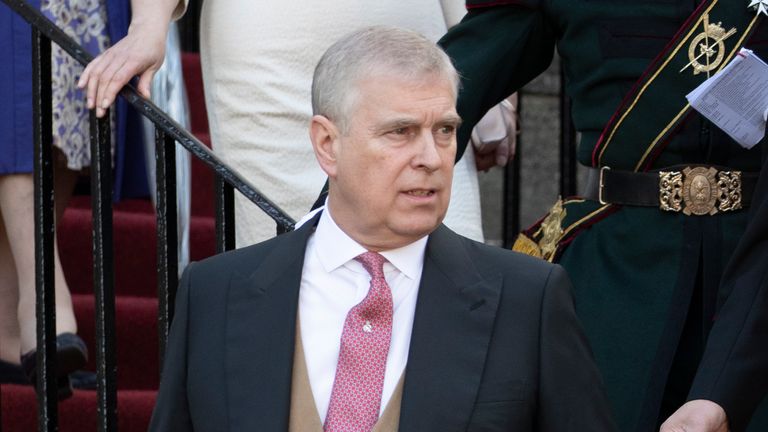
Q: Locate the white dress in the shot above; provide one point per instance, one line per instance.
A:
(258, 58)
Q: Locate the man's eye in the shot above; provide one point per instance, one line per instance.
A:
(400, 131)
(447, 129)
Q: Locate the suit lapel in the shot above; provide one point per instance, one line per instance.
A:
(260, 334)
(454, 320)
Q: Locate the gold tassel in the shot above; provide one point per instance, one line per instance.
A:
(526, 245)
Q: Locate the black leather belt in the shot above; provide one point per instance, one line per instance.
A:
(690, 189)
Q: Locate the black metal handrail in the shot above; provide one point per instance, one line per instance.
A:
(168, 132)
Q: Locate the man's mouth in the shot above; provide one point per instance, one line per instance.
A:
(420, 192)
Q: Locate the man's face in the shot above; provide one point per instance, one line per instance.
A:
(391, 177)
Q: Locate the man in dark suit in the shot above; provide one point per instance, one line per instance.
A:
(373, 315)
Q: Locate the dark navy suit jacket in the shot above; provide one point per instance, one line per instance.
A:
(496, 345)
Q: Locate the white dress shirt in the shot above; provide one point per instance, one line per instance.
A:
(332, 282)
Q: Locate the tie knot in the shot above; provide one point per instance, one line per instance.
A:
(373, 263)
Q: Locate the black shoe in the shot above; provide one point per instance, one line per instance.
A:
(12, 374)
(71, 355)
(83, 380)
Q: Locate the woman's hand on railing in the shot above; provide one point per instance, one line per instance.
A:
(140, 52)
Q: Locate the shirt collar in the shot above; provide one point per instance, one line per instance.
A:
(335, 248)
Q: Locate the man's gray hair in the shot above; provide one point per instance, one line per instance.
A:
(365, 52)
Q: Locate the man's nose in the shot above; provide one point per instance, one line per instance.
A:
(428, 155)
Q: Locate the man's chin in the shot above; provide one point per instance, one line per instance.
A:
(417, 228)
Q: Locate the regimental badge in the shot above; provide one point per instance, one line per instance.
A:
(707, 49)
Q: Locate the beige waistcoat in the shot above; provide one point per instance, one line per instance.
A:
(304, 416)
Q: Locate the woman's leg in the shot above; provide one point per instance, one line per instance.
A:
(17, 205)
(9, 300)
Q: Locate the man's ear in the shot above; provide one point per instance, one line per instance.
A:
(324, 136)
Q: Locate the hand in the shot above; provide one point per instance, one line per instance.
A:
(495, 135)
(697, 416)
(141, 53)
(498, 153)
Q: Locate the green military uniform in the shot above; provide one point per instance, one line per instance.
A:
(645, 280)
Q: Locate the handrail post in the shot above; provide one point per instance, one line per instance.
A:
(167, 234)
(225, 215)
(45, 228)
(103, 273)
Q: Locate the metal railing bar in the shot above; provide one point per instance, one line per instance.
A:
(568, 184)
(103, 274)
(167, 234)
(199, 150)
(45, 229)
(225, 216)
(157, 116)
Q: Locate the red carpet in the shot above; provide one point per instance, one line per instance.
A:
(77, 414)
(135, 264)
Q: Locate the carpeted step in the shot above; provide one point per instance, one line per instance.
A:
(137, 339)
(135, 246)
(76, 414)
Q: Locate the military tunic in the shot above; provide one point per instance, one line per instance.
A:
(645, 281)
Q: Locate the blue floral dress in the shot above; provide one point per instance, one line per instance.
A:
(93, 23)
(86, 22)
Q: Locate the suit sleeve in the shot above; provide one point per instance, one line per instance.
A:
(571, 394)
(171, 411)
(734, 368)
(496, 49)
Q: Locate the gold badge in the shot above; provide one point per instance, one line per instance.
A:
(551, 230)
(707, 49)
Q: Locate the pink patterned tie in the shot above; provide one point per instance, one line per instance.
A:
(356, 395)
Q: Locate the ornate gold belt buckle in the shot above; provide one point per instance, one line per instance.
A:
(703, 191)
